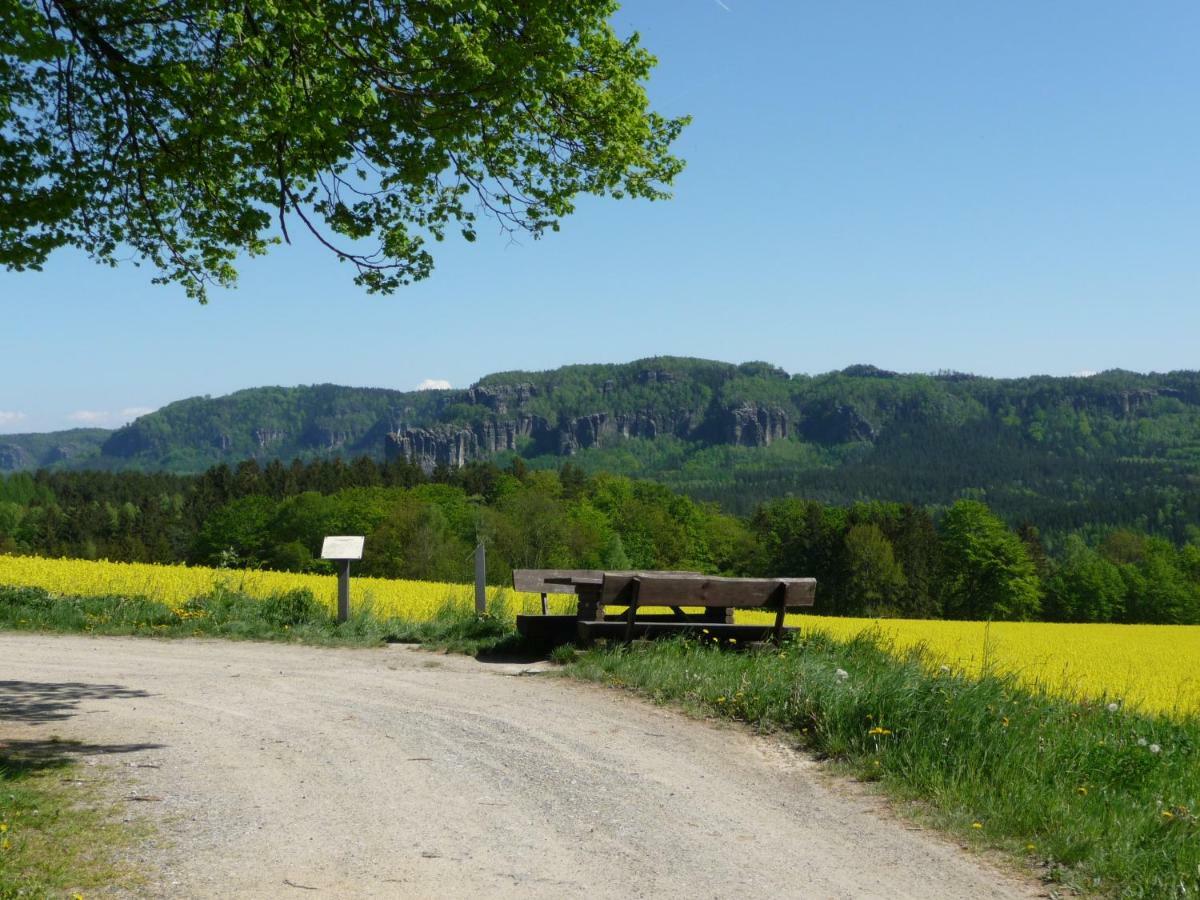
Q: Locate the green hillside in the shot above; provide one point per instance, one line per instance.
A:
(1067, 453)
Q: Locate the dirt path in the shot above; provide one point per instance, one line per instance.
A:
(297, 771)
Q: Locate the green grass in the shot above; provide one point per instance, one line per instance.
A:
(294, 616)
(1103, 801)
(60, 836)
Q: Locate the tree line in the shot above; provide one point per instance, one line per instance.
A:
(870, 558)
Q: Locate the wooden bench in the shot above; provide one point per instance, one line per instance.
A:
(719, 597)
(597, 591)
(534, 581)
(584, 583)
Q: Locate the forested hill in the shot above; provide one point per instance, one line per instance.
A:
(1114, 448)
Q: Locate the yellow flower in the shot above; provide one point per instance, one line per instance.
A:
(1081, 791)
(720, 699)
(3, 827)
(1030, 847)
(879, 730)
(1167, 814)
(5, 845)
(976, 825)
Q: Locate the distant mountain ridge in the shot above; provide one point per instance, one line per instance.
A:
(718, 430)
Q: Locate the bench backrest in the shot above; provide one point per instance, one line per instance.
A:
(533, 581)
(685, 589)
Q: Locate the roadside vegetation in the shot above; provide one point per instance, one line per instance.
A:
(294, 615)
(59, 836)
(1097, 798)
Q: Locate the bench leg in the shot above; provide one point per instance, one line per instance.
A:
(630, 615)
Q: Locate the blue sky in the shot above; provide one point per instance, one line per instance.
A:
(999, 188)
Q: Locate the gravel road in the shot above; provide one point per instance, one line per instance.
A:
(277, 771)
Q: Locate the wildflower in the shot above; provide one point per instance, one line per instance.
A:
(1004, 721)
(842, 674)
(3, 827)
(1113, 707)
(1081, 791)
(879, 730)
(1031, 847)
(1141, 742)
(1154, 748)
(720, 699)
(1168, 815)
(976, 825)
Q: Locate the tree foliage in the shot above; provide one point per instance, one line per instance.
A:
(876, 558)
(185, 130)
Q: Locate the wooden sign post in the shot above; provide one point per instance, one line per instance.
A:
(480, 579)
(343, 549)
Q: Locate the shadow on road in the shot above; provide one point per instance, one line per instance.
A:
(23, 757)
(36, 702)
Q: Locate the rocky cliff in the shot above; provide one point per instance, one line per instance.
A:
(576, 409)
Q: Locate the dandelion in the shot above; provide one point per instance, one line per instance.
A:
(976, 825)
(879, 730)
(1113, 707)
(1167, 814)
(1142, 742)
(841, 674)
(1081, 791)
(1154, 748)
(3, 827)
(720, 699)
(1030, 847)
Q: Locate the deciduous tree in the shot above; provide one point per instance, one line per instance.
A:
(187, 130)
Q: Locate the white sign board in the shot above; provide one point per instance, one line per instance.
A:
(342, 547)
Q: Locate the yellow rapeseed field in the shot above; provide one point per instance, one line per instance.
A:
(175, 585)
(1155, 668)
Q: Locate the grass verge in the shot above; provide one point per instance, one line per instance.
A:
(1100, 799)
(59, 837)
(294, 616)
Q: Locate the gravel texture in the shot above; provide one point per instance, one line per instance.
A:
(275, 770)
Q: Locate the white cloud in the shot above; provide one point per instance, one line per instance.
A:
(434, 384)
(8, 417)
(132, 412)
(90, 416)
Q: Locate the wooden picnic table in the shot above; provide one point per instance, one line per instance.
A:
(717, 597)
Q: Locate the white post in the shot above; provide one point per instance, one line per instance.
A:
(480, 579)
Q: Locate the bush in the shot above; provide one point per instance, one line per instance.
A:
(295, 607)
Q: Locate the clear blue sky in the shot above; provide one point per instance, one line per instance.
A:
(1004, 188)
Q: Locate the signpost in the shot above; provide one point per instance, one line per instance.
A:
(480, 579)
(343, 549)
